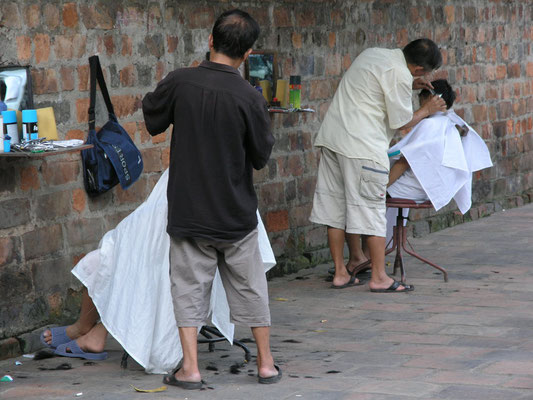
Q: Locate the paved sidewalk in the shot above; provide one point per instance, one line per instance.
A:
(471, 338)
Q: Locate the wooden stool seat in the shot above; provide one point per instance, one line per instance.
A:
(399, 239)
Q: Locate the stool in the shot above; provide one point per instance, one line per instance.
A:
(399, 238)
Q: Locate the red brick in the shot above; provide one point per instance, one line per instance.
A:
(172, 43)
(126, 104)
(449, 11)
(501, 72)
(290, 165)
(51, 16)
(480, 113)
(35, 247)
(296, 40)
(513, 70)
(131, 128)
(75, 134)
(67, 78)
(23, 48)
(306, 187)
(109, 45)
(333, 65)
(305, 18)
(44, 81)
(332, 39)
(82, 107)
(127, 76)
(402, 37)
(32, 15)
(79, 200)
(70, 15)
(10, 15)
(96, 16)
(83, 78)
(337, 17)
(152, 159)
(272, 193)
(282, 17)
(60, 172)
(277, 221)
(135, 193)
(165, 157)
(159, 71)
(9, 348)
(42, 47)
(201, 17)
(346, 62)
(7, 248)
(127, 45)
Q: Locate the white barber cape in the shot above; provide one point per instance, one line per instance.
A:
(443, 161)
(441, 164)
(128, 281)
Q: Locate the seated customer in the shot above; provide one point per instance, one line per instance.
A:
(128, 288)
(436, 159)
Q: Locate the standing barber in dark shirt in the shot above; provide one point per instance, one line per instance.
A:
(221, 131)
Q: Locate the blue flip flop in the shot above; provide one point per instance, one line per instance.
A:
(76, 352)
(59, 336)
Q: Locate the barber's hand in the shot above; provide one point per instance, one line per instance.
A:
(435, 104)
(422, 83)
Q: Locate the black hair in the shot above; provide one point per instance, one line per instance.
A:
(442, 87)
(235, 32)
(3, 89)
(424, 53)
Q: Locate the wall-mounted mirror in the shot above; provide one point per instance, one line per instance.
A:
(261, 70)
(15, 88)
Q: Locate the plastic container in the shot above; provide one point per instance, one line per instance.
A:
(295, 90)
(1, 134)
(29, 125)
(7, 144)
(10, 125)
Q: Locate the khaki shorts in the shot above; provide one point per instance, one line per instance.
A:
(193, 264)
(350, 194)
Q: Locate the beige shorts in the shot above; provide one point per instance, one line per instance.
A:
(193, 264)
(350, 194)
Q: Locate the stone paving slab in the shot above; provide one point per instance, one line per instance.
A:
(470, 338)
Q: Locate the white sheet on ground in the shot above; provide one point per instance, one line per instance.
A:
(128, 281)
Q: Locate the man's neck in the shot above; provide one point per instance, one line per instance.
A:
(220, 58)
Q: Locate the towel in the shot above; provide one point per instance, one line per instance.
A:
(127, 278)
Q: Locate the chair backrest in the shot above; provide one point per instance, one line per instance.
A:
(406, 203)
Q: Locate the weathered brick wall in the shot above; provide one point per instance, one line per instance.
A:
(46, 220)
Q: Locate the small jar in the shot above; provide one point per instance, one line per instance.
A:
(7, 144)
(10, 125)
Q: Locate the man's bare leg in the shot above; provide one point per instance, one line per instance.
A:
(265, 361)
(86, 321)
(336, 247)
(379, 278)
(189, 371)
(357, 255)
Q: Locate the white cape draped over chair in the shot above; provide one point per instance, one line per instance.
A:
(127, 278)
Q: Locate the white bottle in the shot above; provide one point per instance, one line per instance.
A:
(1, 134)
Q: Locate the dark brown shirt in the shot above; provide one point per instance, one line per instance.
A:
(221, 130)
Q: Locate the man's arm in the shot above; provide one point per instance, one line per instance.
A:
(259, 140)
(434, 105)
(158, 107)
(397, 170)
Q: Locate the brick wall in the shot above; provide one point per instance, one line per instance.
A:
(47, 222)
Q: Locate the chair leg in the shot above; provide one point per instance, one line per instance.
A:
(416, 255)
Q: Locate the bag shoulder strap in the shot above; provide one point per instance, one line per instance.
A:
(97, 76)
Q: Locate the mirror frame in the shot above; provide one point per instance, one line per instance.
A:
(274, 67)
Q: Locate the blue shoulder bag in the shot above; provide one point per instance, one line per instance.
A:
(114, 158)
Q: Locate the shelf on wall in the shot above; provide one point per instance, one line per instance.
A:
(20, 154)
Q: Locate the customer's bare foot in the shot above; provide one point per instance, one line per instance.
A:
(94, 340)
(353, 263)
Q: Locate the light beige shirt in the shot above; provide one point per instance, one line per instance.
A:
(372, 100)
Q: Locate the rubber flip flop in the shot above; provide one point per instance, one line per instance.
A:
(170, 379)
(350, 283)
(392, 288)
(59, 336)
(271, 379)
(76, 352)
